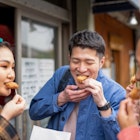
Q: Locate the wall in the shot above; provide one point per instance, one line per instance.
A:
(107, 26)
(84, 15)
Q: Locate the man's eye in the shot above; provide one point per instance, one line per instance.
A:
(75, 61)
(90, 62)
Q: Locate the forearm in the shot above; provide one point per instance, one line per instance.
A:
(106, 113)
(38, 109)
(105, 109)
(42, 108)
(110, 126)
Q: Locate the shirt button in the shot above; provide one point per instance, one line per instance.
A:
(63, 119)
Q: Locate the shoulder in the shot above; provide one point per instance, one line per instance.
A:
(108, 82)
(61, 71)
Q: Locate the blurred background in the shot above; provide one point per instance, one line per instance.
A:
(39, 31)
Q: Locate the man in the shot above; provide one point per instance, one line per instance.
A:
(87, 109)
(128, 117)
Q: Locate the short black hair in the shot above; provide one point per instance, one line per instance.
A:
(88, 39)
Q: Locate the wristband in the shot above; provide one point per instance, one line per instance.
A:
(105, 107)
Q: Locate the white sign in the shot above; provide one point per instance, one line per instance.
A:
(35, 73)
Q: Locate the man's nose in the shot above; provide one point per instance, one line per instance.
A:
(82, 67)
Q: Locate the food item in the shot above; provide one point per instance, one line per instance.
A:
(12, 85)
(135, 94)
(133, 80)
(81, 78)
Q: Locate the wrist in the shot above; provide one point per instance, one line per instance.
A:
(104, 107)
(5, 116)
(61, 99)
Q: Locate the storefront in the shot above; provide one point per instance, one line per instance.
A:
(111, 19)
(36, 30)
(39, 31)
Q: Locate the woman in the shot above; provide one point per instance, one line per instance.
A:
(129, 111)
(16, 105)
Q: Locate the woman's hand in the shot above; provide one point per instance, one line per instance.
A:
(129, 88)
(127, 116)
(13, 108)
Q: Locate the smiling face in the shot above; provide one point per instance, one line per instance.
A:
(7, 73)
(85, 62)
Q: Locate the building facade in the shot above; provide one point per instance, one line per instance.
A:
(39, 31)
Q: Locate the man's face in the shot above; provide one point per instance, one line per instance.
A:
(138, 61)
(85, 62)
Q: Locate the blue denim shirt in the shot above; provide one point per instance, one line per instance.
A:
(90, 124)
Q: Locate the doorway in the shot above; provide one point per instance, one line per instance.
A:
(115, 65)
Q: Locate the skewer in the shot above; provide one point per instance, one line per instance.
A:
(16, 91)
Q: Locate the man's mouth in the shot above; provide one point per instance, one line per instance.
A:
(81, 78)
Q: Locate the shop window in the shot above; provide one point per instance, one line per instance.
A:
(38, 56)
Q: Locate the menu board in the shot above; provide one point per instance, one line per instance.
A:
(35, 73)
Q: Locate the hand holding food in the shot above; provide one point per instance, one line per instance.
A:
(126, 114)
(14, 107)
(133, 80)
(135, 92)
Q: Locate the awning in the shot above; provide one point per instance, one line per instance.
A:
(102, 6)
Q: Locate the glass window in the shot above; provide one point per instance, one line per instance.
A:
(38, 56)
(38, 40)
(39, 44)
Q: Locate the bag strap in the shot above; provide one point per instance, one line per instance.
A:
(64, 80)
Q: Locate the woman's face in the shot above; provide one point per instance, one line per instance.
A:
(7, 73)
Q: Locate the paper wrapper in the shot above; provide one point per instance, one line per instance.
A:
(39, 133)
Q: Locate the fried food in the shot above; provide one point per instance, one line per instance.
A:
(133, 80)
(81, 78)
(135, 94)
(12, 85)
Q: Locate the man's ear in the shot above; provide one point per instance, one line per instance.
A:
(102, 61)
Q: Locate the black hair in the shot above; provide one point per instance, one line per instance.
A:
(6, 45)
(88, 39)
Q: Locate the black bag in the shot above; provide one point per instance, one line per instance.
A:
(64, 80)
